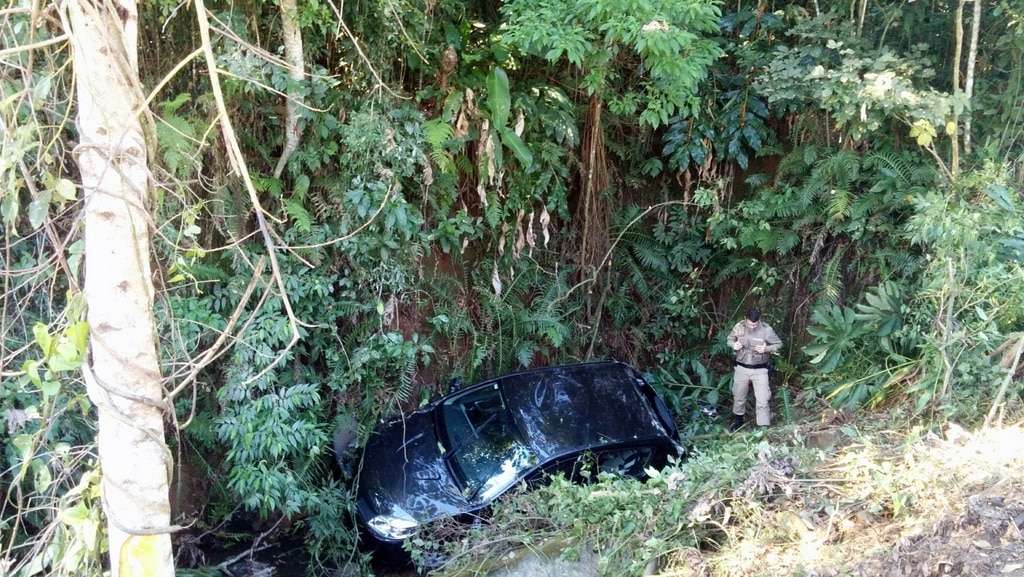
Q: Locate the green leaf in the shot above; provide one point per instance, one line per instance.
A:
(525, 352)
(38, 208)
(172, 106)
(981, 313)
(1000, 194)
(43, 338)
(65, 358)
(9, 207)
(23, 444)
(519, 148)
(498, 98)
(78, 335)
(923, 131)
(65, 190)
(50, 388)
(41, 89)
(75, 252)
(31, 368)
(42, 477)
(76, 515)
(301, 186)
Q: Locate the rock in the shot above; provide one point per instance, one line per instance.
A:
(957, 435)
(252, 568)
(534, 565)
(823, 440)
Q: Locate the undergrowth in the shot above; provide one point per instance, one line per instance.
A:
(828, 496)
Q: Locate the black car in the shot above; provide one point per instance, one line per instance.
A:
(462, 451)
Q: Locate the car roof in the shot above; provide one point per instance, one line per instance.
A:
(574, 408)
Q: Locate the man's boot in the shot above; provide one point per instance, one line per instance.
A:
(737, 423)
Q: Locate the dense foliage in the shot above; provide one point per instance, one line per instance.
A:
(483, 186)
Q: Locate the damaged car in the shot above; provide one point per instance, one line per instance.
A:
(455, 456)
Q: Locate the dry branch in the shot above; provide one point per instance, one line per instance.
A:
(239, 165)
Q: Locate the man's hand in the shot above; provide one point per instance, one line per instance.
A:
(760, 349)
(737, 346)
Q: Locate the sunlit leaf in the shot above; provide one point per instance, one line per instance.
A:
(498, 98)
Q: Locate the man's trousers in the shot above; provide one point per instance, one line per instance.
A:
(741, 381)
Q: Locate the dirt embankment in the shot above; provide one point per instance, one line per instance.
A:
(883, 504)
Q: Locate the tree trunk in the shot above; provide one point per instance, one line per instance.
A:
(972, 57)
(958, 49)
(293, 54)
(124, 378)
(593, 214)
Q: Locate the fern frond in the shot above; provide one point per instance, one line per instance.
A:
(891, 164)
(831, 279)
(791, 165)
(839, 204)
(437, 132)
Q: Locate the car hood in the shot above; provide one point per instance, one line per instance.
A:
(404, 474)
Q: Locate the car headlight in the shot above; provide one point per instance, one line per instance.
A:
(393, 527)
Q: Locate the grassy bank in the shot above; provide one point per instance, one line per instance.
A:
(829, 496)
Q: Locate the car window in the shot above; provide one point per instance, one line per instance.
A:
(578, 468)
(486, 447)
(578, 408)
(628, 462)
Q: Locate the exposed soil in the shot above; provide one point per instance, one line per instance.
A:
(877, 505)
(985, 539)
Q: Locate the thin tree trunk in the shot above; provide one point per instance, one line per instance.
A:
(124, 377)
(997, 403)
(863, 15)
(594, 179)
(293, 54)
(958, 50)
(972, 57)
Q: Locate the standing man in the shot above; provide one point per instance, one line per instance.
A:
(754, 342)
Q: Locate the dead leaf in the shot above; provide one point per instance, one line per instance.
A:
(545, 218)
(496, 280)
(531, 238)
(501, 239)
(461, 125)
(520, 236)
(485, 155)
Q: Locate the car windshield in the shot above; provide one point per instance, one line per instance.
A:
(486, 448)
